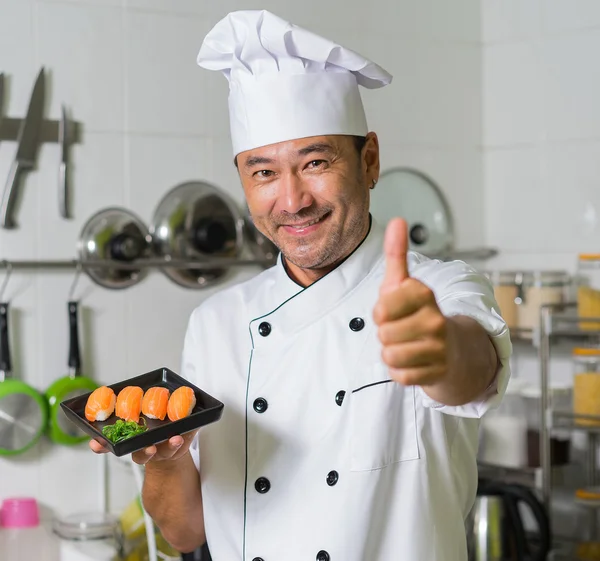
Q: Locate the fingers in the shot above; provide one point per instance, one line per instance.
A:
(423, 324)
(399, 302)
(396, 249)
(423, 376)
(417, 354)
(97, 447)
(171, 449)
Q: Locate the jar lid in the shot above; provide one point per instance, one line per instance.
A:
(87, 526)
(588, 493)
(502, 278)
(586, 352)
(589, 256)
(545, 278)
(556, 390)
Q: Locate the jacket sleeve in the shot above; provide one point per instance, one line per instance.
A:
(461, 290)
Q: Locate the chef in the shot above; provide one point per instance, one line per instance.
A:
(354, 372)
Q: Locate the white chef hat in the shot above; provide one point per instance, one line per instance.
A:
(286, 82)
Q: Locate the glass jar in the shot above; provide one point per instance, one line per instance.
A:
(588, 289)
(505, 292)
(536, 289)
(90, 536)
(561, 397)
(586, 385)
(503, 436)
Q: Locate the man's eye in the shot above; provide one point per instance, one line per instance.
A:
(263, 173)
(316, 163)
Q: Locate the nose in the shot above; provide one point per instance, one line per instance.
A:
(294, 196)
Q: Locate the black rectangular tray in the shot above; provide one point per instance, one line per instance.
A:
(207, 410)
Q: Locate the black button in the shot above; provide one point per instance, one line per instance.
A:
(357, 324)
(332, 478)
(323, 556)
(264, 328)
(262, 485)
(258, 559)
(260, 405)
(339, 397)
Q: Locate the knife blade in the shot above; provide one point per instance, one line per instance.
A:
(28, 143)
(63, 179)
(1, 96)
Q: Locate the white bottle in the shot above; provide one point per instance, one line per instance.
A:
(23, 537)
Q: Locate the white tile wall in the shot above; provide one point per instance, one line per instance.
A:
(541, 127)
(151, 119)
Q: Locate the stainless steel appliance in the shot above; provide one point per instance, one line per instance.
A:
(496, 530)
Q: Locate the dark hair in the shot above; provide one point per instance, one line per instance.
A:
(359, 144)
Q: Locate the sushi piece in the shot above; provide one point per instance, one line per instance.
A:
(100, 405)
(129, 403)
(154, 404)
(181, 403)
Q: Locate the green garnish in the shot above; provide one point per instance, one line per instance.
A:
(122, 430)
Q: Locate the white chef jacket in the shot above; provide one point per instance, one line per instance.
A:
(318, 454)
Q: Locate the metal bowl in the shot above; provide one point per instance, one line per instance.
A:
(197, 221)
(114, 234)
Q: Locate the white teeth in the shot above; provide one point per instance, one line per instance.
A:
(307, 224)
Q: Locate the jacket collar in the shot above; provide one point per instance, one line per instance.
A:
(288, 308)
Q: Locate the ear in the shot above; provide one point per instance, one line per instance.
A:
(370, 158)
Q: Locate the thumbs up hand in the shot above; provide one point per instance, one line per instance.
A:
(412, 329)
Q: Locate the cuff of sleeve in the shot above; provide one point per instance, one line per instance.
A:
(195, 452)
(500, 338)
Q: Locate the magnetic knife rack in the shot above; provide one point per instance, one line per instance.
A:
(50, 133)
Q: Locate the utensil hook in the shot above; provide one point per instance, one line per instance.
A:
(74, 283)
(8, 267)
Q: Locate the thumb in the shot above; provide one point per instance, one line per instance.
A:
(396, 248)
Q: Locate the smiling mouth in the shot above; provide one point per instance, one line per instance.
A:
(305, 225)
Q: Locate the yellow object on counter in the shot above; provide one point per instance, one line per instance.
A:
(586, 385)
(588, 306)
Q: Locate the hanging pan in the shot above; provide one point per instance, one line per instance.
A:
(61, 430)
(23, 410)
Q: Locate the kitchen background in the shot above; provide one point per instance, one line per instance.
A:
(496, 101)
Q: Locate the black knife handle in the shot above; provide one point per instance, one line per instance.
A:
(9, 197)
(74, 355)
(5, 364)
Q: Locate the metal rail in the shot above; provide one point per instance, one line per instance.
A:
(213, 263)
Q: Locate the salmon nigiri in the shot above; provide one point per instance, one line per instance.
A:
(181, 403)
(154, 404)
(100, 405)
(129, 403)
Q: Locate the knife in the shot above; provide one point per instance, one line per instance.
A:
(26, 151)
(1, 97)
(63, 183)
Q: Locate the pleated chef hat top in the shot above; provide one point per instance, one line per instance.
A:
(286, 82)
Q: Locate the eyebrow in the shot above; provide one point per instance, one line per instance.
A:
(317, 148)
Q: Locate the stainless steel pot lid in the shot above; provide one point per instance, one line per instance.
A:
(116, 234)
(197, 221)
(21, 420)
(406, 193)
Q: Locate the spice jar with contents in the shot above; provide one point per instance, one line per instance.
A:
(588, 289)
(561, 397)
(536, 289)
(503, 432)
(586, 385)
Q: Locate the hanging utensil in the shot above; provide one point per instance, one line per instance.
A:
(114, 234)
(61, 430)
(196, 221)
(1, 97)
(28, 141)
(63, 176)
(23, 410)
